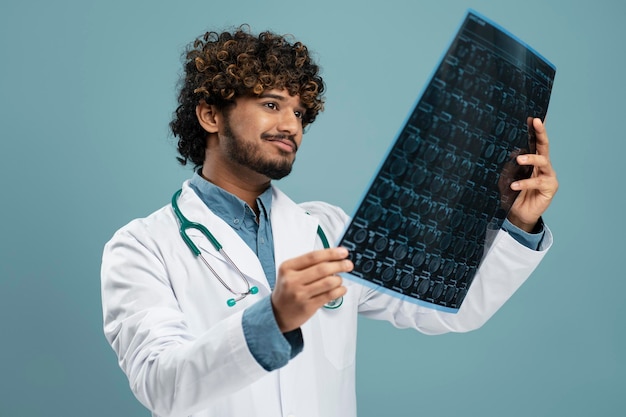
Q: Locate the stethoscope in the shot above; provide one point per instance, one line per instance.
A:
(185, 224)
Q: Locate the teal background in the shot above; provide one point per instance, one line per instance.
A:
(86, 93)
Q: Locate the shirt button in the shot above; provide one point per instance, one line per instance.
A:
(262, 241)
(236, 221)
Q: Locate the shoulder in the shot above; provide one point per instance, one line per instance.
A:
(332, 218)
(323, 210)
(327, 214)
(163, 220)
(147, 229)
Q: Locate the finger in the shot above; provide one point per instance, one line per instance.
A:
(307, 294)
(325, 297)
(330, 268)
(539, 161)
(298, 278)
(546, 185)
(541, 137)
(323, 285)
(315, 257)
(322, 271)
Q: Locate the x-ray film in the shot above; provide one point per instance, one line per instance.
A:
(423, 225)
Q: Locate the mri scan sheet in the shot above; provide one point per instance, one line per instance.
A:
(424, 222)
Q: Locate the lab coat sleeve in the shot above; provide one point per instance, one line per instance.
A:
(170, 370)
(504, 268)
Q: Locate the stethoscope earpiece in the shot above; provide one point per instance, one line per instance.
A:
(232, 301)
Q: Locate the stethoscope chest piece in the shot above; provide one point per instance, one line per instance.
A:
(333, 304)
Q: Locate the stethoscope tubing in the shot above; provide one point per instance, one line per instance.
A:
(185, 224)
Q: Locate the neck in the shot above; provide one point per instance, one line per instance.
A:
(247, 186)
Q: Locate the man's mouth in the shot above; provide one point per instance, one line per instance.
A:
(285, 142)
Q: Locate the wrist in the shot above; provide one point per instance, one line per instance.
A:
(529, 227)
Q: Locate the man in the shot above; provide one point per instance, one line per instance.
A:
(186, 350)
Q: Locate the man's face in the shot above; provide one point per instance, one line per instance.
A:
(263, 133)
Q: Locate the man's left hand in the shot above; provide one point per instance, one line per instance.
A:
(536, 192)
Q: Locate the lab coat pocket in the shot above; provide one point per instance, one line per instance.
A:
(339, 330)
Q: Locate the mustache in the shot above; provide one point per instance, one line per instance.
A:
(291, 138)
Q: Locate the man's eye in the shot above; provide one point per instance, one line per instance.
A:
(272, 106)
(299, 114)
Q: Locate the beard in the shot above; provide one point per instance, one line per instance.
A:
(251, 156)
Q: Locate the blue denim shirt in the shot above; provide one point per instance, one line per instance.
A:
(271, 348)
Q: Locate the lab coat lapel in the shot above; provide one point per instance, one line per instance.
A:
(293, 229)
(246, 260)
(295, 233)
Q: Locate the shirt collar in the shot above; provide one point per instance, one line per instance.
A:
(227, 206)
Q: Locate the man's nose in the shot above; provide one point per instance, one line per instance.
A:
(289, 123)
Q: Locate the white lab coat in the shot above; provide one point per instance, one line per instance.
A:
(184, 350)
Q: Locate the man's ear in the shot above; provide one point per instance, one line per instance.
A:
(208, 116)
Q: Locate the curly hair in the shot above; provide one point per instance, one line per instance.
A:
(220, 67)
